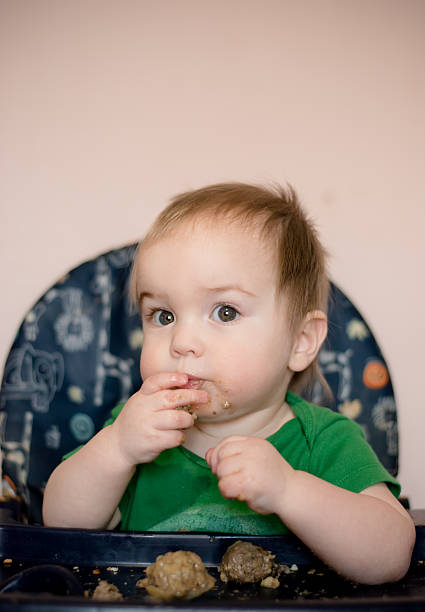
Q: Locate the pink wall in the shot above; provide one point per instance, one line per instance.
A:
(109, 107)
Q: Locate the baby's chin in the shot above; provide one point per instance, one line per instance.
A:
(215, 412)
(219, 406)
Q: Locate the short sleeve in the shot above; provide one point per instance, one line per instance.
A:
(341, 455)
(113, 415)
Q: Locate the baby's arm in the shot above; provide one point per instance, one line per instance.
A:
(85, 489)
(367, 536)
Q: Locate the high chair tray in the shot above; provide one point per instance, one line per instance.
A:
(87, 556)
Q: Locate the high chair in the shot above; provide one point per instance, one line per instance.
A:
(76, 355)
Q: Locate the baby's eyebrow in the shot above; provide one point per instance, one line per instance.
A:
(145, 294)
(226, 288)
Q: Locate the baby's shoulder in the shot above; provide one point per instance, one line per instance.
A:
(317, 421)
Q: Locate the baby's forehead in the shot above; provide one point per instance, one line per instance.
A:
(235, 245)
(204, 259)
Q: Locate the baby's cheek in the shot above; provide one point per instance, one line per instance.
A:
(246, 365)
(149, 364)
(143, 367)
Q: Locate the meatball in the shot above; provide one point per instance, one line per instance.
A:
(246, 562)
(179, 574)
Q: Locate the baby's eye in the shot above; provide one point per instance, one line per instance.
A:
(225, 313)
(162, 317)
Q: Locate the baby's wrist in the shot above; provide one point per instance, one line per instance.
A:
(297, 503)
(117, 450)
(283, 494)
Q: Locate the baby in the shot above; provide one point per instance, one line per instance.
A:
(232, 288)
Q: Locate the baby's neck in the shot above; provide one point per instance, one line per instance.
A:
(262, 424)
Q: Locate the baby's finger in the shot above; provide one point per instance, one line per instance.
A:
(232, 464)
(228, 446)
(232, 486)
(162, 381)
(179, 398)
(174, 420)
(172, 438)
(209, 456)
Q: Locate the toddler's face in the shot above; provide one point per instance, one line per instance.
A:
(209, 309)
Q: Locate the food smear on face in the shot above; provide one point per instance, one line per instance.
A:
(177, 575)
(245, 562)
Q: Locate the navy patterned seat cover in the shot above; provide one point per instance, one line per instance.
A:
(76, 354)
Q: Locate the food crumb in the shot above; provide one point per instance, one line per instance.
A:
(96, 572)
(7, 561)
(270, 582)
(114, 570)
(106, 591)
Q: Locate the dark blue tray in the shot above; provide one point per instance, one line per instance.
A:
(90, 555)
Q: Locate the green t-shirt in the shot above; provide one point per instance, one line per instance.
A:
(178, 492)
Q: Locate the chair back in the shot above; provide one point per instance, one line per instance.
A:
(76, 355)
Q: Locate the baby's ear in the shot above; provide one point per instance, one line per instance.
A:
(311, 334)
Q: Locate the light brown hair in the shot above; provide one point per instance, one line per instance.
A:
(300, 257)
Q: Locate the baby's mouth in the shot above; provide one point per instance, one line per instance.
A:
(194, 383)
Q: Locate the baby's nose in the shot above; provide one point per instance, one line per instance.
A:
(186, 340)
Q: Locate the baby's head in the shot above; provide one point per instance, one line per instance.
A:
(275, 215)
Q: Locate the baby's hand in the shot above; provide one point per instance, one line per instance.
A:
(150, 421)
(251, 470)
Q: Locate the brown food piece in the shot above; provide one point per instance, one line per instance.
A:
(188, 408)
(106, 591)
(179, 574)
(246, 562)
(270, 582)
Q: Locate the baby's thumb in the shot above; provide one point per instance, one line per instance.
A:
(209, 458)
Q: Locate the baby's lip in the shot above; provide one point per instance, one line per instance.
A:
(194, 382)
